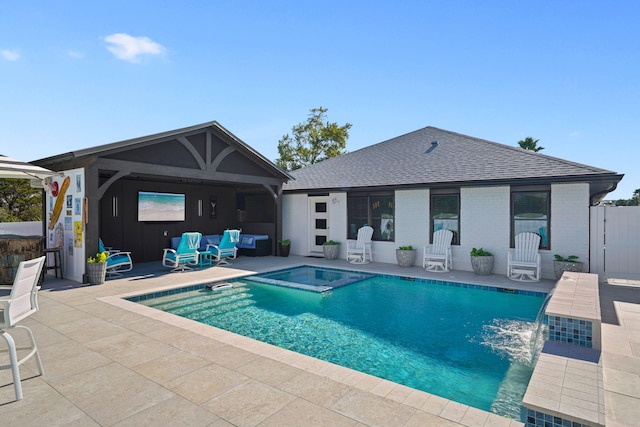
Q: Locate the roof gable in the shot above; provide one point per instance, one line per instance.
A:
(200, 152)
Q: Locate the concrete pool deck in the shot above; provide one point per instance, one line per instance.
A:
(110, 362)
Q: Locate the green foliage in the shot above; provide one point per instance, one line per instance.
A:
(19, 202)
(331, 243)
(406, 248)
(480, 252)
(285, 242)
(100, 257)
(570, 258)
(312, 142)
(530, 144)
(633, 201)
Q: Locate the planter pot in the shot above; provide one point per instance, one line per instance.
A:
(560, 267)
(482, 265)
(96, 272)
(284, 249)
(331, 251)
(405, 257)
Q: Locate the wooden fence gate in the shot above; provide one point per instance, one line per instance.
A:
(615, 242)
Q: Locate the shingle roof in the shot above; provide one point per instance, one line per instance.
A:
(457, 159)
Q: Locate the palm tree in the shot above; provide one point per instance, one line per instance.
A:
(530, 144)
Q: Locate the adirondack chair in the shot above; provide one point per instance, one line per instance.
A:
(226, 250)
(523, 263)
(359, 252)
(186, 256)
(437, 256)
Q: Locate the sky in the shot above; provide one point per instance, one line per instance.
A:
(77, 74)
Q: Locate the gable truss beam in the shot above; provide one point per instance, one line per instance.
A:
(194, 153)
(175, 173)
(104, 187)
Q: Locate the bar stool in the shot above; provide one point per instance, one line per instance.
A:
(57, 260)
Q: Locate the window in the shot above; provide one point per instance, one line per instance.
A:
(374, 210)
(445, 214)
(530, 212)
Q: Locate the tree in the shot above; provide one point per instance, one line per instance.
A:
(633, 201)
(312, 142)
(19, 202)
(530, 144)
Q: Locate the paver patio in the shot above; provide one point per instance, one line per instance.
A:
(109, 362)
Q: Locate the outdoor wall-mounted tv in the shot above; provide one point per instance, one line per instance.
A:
(160, 206)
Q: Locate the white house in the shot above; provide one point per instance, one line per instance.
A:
(409, 186)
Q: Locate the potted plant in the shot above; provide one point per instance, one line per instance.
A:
(331, 249)
(284, 246)
(481, 261)
(97, 268)
(562, 264)
(406, 256)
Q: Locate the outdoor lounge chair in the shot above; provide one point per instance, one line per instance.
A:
(118, 261)
(21, 303)
(359, 252)
(227, 249)
(523, 263)
(186, 255)
(437, 256)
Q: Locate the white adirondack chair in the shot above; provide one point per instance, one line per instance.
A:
(523, 263)
(437, 256)
(359, 252)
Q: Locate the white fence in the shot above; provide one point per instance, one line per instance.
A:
(29, 228)
(615, 242)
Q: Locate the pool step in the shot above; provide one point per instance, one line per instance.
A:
(176, 301)
(203, 314)
(219, 302)
(209, 304)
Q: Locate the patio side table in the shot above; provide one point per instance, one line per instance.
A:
(206, 259)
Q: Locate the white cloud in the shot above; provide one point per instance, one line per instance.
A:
(130, 48)
(75, 54)
(10, 55)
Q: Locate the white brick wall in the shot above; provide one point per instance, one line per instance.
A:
(411, 225)
(295, 222)
(569, 223)
(484, 222)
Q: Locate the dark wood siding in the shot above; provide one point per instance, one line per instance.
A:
(146, 240)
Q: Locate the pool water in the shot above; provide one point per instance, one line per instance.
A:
(469, 345)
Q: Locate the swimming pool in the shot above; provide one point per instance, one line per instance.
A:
(463, 342)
